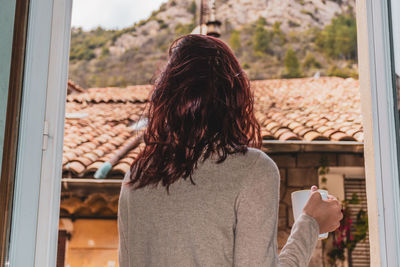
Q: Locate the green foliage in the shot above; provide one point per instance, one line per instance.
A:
(349, 233)
(292, 65)
(293, 24)
(354, 199)
(104, 52)
(163, 7)
(311, 62)
(309, 13)
(338, 40)
(262, 37)
(154, 13)
(246, 66)
(118, 33)
(162, 23)
(84, 43)
(342, 72)
(277, 34)
(183, 29)
(261, 21)
(235, 41)
(192, 8)
(323, 171)
(142, 22)
(261, 48)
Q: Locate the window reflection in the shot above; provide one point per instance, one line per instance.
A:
(395, 26)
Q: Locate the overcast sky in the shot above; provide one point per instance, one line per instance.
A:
(111, 14)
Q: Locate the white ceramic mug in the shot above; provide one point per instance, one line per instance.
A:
(299, 200)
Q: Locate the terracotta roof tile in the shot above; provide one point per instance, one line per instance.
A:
(266, 135)
(98, 121)
(359, 136)
(313, 136)
(288, 136)
(328, 133)
(122, 167)
(74, 88)
(76, 167)
(96, 204)
(272, 125)
(340, 136)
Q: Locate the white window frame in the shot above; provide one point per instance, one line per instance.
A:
(378, 109)
(34, 230)
(38, 175)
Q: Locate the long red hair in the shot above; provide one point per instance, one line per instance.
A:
(200, 105)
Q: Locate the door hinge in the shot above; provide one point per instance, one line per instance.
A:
(45, 135)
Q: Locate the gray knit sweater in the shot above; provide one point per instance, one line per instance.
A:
(229, 218)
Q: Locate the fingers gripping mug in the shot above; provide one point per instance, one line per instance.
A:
(299, 200)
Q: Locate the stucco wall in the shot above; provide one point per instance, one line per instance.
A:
(93, 243)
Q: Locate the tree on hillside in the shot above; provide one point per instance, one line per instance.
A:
(292, 65)
(262, 37)
(278, 40)
(102, 57)
(84, 43)
(192, 8)
(338, 40)
(311, 62)
(183, 29)
(235, 42)
(278, 35)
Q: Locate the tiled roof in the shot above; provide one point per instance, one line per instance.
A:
(74, 88)
(99, 122)
(309, 109)
(91, 205)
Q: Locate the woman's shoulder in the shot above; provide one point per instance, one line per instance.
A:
(261, 179)
(263, 168)
(260, 159)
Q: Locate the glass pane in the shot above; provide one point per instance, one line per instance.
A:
(7, 12)
(395, 38)
(6, 31)
(13, 17)
(395, 27)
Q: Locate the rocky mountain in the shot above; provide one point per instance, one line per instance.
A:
(306, 13)
(261, 33)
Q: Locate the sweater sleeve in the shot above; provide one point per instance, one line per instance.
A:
(122, 230)
(256, 225)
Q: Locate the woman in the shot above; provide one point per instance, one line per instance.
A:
(201, 193)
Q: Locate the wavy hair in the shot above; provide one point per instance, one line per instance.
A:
(201, 105)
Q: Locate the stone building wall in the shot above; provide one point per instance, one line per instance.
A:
(300, 171)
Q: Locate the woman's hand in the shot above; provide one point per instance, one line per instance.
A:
(326, 212)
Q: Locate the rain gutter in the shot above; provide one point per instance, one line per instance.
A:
(275, 146)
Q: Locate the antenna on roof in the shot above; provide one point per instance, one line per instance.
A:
(208, 18)
(213, 25)
(202, 17)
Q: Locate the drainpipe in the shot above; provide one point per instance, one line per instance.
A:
(105, 168)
